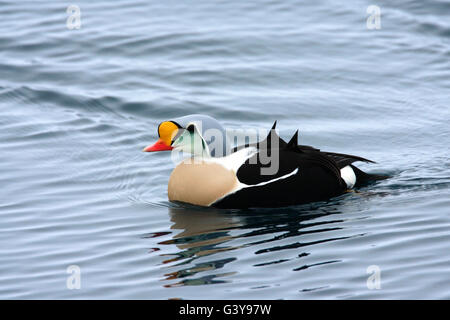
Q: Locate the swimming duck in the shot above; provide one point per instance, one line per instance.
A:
(268, 173)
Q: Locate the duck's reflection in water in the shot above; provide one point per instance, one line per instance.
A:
(213, 233)
(203, 231)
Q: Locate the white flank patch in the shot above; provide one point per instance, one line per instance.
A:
(349, 176)
(235, 160)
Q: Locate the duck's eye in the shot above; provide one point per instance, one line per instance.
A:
(190, 128)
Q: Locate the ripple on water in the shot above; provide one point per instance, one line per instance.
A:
(78, 106)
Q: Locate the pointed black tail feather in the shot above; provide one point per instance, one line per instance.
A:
(293, 143)
(363, 178)
(349, 158)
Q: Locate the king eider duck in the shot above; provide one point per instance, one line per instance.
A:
(269, 173)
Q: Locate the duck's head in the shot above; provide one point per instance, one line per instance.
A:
(198, 134)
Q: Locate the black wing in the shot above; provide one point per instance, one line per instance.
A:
(342, 160)
(304, 178)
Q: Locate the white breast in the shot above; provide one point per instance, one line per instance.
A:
(202, 181)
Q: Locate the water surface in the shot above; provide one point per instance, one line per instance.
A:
(77, 107)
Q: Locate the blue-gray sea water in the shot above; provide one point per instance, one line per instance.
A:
(80, 98)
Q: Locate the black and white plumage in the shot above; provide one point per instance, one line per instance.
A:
(304, 174)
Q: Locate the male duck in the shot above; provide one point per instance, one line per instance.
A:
(270, 173)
